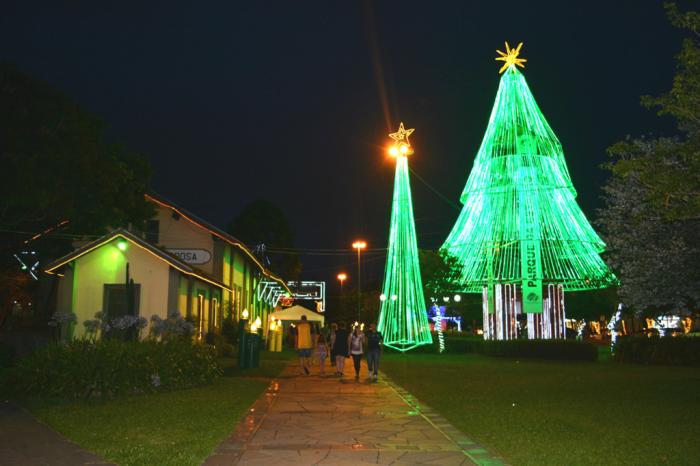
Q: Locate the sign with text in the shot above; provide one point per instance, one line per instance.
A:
(191, 256)
(532, 283)
(530, 254)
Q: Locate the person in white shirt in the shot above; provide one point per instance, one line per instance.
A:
(355, 342)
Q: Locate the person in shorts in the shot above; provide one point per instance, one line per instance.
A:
(304, 343)
(321, 353)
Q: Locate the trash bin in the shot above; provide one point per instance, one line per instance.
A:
(249, 350)
(243, 349)
(254, 353)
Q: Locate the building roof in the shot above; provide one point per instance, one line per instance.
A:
(295, 313)
(214, 230)
(148, 247)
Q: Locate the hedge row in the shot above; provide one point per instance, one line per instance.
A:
(569, 350)
(675, 351)
(561, 350)
(7, 355)
(107, 368)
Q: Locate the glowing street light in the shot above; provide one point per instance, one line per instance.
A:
(359, 245)
(342, 276)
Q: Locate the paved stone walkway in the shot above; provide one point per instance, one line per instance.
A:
(313, 420)
(24, 441)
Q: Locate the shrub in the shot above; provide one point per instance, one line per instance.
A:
(107, 368)
(7, 355)
(62, 324)
(172, 327)
(227, 350)
(454, 343)
(544, 349)
(229, 330)
(567, 350)
(223, 348)
(675, 351)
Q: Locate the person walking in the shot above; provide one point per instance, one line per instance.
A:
(340, 348)
(321, 353)
(375, 340)
(304, 343)
(331, 338)
(355, 341)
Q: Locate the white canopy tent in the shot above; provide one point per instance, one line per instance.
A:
(294, 313)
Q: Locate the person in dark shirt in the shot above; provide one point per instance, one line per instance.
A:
(340, 348)
(375, 340)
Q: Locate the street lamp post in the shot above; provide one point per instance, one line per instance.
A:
(359, 245)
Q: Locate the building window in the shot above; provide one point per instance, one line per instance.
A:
(237, 305)
(200, 315)
(214, 314)
(152, 231)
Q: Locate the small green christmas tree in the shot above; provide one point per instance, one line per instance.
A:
(403, 319)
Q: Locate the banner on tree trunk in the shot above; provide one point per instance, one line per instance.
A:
(532, 283)
(530, 254)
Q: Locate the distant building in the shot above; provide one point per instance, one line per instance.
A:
(180, 263)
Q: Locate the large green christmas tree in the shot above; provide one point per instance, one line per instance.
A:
(403, 319)
(520, 223)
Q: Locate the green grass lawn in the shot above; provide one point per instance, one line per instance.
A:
(173, 428)
(554, 413)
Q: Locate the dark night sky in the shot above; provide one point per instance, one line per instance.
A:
(280, 99)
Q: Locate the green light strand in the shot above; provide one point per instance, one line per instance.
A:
(520, 175)
(403, 319)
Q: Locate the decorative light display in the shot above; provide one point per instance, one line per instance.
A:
(403, 319)
(438, 325)
(520, 224)
(612, 326)
(664, 323)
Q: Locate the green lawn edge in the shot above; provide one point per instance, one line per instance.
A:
(171, 428)
(535, 412)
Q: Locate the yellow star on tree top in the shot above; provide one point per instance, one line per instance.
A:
(401, 136)
(510, 57)
(402, 147)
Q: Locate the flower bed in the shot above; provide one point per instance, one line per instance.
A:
(108, 368)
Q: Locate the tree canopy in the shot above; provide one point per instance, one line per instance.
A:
(439, 271)
(56, 164)
(263, 223)
(57, 168)
(651, 216)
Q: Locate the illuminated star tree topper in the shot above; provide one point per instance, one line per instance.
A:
(403, 319)
(401, 143)
(510, 57)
